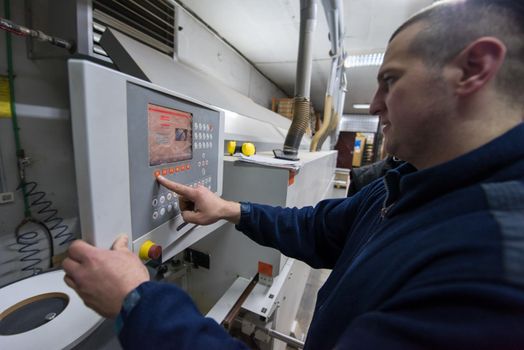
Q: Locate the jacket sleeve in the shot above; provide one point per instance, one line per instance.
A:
(166, 318)
(313, 235)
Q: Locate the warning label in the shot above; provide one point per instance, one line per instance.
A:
(5, 100)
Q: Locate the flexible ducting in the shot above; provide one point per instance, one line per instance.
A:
(335, 91)
(328, 109)
(331, 115)
(298, 126)
(335, 119)
(308, 19)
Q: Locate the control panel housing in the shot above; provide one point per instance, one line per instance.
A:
(124, 135)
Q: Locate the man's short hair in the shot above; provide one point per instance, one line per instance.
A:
(453, 25)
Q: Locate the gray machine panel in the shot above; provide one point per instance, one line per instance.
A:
(115, 182)
(158, 120)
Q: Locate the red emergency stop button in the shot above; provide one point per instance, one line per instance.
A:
(149, 250)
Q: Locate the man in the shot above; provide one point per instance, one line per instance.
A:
(430, 258)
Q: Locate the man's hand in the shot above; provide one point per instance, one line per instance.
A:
(101, 277)
(201, 206)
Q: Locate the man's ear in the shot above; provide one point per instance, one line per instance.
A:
(479, 63)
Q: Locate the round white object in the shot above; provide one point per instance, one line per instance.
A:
(65, 331)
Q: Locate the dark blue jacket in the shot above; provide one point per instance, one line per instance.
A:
(430, 259)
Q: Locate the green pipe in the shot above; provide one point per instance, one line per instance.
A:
(16, 129)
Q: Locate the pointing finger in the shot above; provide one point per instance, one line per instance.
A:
(176, 187)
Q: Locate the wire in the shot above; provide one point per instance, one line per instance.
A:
(27, 241)
(50, 222)
(50, 218)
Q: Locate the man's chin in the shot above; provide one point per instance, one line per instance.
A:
(393, 150)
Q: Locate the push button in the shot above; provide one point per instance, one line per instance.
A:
(149, 250)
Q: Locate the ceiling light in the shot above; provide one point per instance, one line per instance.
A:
(361, 106)
(372, 59)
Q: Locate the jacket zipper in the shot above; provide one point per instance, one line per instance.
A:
(385, 210)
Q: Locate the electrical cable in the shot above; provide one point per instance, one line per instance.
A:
(27, 241)
(50, 220)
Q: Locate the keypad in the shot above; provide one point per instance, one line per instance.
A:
(164, 204)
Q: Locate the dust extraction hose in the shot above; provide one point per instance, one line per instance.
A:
(308, 20)
(335, 119)
(328, 110)
(298, 126)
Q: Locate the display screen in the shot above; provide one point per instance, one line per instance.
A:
(170, 135)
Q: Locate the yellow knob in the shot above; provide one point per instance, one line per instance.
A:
(149, 250)
(231, 147)
(248, 149)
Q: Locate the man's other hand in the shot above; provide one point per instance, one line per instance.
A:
(101, 277)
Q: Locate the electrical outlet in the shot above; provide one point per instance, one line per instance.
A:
(7, 197)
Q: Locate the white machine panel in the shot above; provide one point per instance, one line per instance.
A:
(125, 133)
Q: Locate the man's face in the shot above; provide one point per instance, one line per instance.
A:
(413, 101)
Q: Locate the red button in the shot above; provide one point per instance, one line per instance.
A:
(171, 170)
(177, 169)
(164, 172)
(155, 252)
(157, 173)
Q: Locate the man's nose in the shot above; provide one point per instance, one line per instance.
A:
(377, 105)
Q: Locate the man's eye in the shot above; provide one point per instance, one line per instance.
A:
(388, 81)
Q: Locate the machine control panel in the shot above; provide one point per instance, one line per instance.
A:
(172, 137)
(125, 135)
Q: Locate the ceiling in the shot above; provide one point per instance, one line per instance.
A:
(266, 32)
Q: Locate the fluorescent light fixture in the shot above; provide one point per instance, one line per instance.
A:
(361, 106)
(372, 59)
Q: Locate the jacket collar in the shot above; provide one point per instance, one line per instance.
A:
(408, 187)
